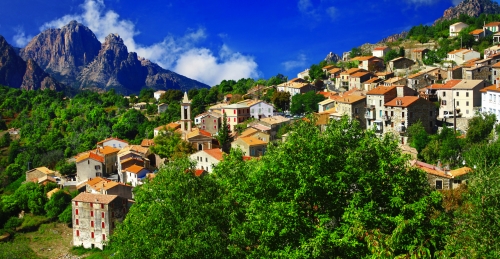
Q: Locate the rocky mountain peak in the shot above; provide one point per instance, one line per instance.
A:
(471, 8)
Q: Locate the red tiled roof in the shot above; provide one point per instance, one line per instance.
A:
(108, 139)
(134, 169)
(381, 89)
(199, 172)
(215, 153)
(95, 198)
(402, 101)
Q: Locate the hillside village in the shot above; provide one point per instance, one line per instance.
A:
(386, 96)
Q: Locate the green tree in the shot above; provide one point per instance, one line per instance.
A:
(281, 100)
(418, 136)
(223, 135)
(306, 103)
(316, 72)
(480, 127)
(390, 55)
(355, 52)
(186, 218)
(5, 140)
(57, 203)
(169, 144)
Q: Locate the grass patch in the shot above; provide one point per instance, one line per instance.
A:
(95, 253)
(32, 222)
(12, 187)
(17, 249)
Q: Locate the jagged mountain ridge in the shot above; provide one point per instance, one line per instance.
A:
(74, 55)
(17, 73)
(472, 8)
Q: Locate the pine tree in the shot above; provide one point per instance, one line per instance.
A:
(223, 135)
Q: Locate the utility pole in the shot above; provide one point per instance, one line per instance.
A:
(454, 117)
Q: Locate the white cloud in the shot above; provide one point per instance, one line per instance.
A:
(171, 53)
(332, 12)
(297, 63)
(20, 38)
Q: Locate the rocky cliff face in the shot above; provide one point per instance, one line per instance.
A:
(332, 58)
(17, 73)
(115, 67)
(394, 37)
(470, 8)
(63, 52)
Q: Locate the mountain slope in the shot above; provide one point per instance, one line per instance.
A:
(17, 73)
(73, 55)
(472, 8)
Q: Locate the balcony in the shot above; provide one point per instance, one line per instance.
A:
(370, 115)
(370, 107)
(386, 118)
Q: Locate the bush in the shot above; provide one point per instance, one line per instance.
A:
(13, 223)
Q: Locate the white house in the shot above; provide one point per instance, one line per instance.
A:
(259, 109)
(490, 99)
(135, 174)
(207, 159)
(460, 56)
(456, 28)
(380, 51)
(295, 86)
(88, 165)
(112, 142)
(158, 94)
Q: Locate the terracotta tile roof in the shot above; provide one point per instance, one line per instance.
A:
(430, 169)
(171, 126)
(198, 132)
(108, 139)
(351, 99)
(467, 84)
(215, 153)
(380, 48)
(252, 141)
(364, 58)
(147, 142)
(328, 67)
(334, 70)
(351, 71)
(112, 184)
(95, 198)
(419, 50)
(45, 170)
(359, 74)
(135, 148)
(460, 171)
(134, 169)
(402, 101)
(491, 88)
(275, 120)
(457, 51)
(199, 172)
(108, 150)
(381, 89)
(372, 80)
(470, 62)
(131, 158)
(327, 94)
(476, 31)
(261, 127)
(46, 178)
(50, 193)
(89, 155)
(496, 65)
(95, 181)
(393, 80)
(491, 24)
(249, 131)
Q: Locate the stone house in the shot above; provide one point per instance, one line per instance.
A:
(401, 112)
(94, 217)
(461, 56)
(235, 114)
(371, 84)
(171, 126)
(200, 139)
(208, 121)
(259, 134)
(443, 179)
(358, 78)
(132, 155)
(39, 172)
(370, 63)
(345, 77)
(442, 93)
(207, 159)
(275, 123)
(419, 54)
(326, 104)
(162, 107)
(100, 185)
(374, 109)
(353, 106)
(296, 86)
(479, 34)
(426, 77)
(250, 146)
(395, 81)
(400, 63)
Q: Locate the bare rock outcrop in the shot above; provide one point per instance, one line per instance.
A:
(472, 8)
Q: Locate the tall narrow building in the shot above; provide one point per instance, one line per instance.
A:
(185, 115)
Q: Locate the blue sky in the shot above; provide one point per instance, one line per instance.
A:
(214, 40)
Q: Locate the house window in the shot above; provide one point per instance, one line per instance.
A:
(458, 93)
(76, 222)
(402, 115)
(380, 103)
(443, 102)
(203, 127)
(430, 113)
(91, 224)
(466, 94)
(91, 205)
(76, 211)
(234, 119)
(97, 167)
(467, 103)
(76, 203)
(234, 111)
(215, 121)
(102, 206)
(102, 214)
(431, 124)
(102, 224)
(91, 213)
(458, 103)
(206, 159)
(77, 233)
(103, 237)
(411, 114)
(355, 110)
(444, 94)
(439, 184)
(92, 234)
(215, 127)
(203, 121)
